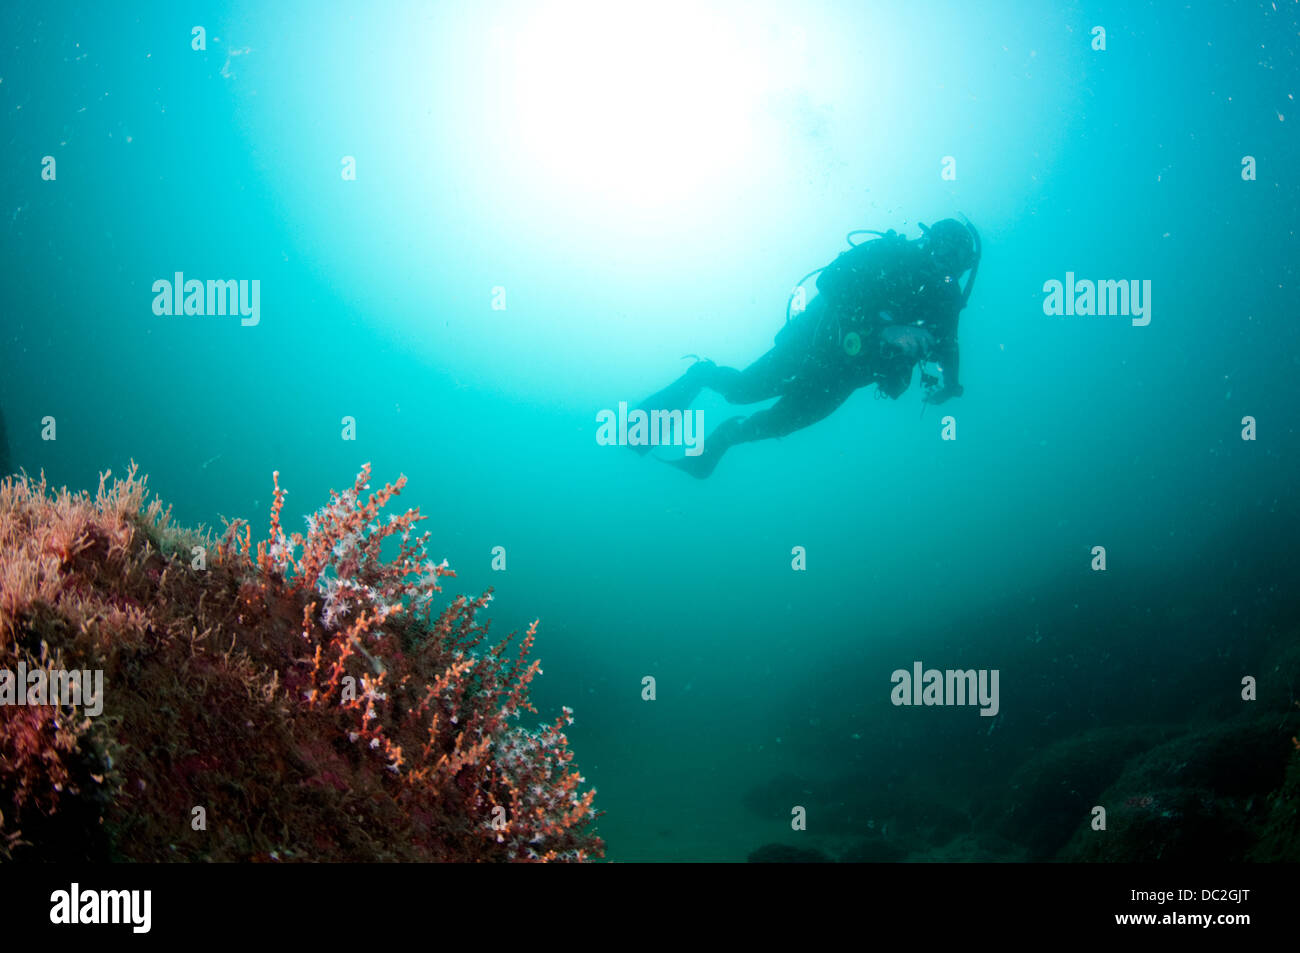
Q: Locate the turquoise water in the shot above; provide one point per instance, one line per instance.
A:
(552, 204)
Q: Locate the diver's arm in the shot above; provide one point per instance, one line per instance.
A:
(951, 363)
(948, 356)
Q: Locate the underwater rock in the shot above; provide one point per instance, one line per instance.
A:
(1279, 830)
(1050, 792)
(1242, 757)
(1279, 677)
(1207, 796)
(1173, 825)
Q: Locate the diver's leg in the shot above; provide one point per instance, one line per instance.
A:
(725, 435)
(790, 413)
(771, 374)
(678, 395)
(759, 381)
(767, 377)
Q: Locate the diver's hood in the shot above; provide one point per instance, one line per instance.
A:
(947, 230)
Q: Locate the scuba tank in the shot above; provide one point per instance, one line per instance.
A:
(889, 235)
(829, 325)
(845, 260)
(860, 266)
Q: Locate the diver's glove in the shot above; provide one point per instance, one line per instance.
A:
(940, 396)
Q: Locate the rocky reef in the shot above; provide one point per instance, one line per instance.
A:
(1220, 787)
(170, 694)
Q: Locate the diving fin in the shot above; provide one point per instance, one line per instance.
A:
(676, 396)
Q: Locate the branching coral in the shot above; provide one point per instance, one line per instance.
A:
(301, 691)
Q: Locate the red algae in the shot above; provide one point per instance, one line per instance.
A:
(297, 699)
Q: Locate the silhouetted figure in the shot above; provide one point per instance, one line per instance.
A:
(881, 308)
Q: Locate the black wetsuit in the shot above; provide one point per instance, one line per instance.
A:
(816, 363)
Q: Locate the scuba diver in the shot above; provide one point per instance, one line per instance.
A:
(881, 308)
